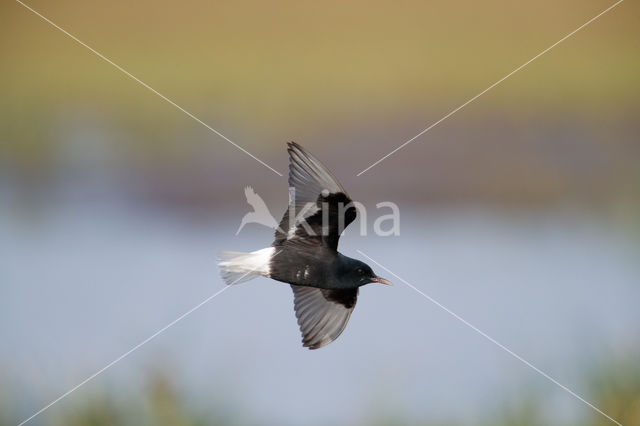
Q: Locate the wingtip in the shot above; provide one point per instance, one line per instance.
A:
(295, 150)
(291, 145)
(309, 345)
(313, 346)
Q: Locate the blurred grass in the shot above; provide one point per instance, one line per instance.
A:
(291, 65)
(616, 388)
(159, 406)
(613, 385)
(357, 77)
(301, 56)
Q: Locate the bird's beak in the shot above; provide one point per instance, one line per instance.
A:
(380, 280)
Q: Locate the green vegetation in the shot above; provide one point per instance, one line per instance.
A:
(302, 65)
(614, 387)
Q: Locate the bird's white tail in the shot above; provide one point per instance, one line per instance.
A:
(237, 267)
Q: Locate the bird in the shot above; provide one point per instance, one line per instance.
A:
(304, 253)
(260, 213)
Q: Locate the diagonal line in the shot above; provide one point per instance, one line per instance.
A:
(491, 339)
(138, 346)
(492, 86)
(124, 355)
(128, 74)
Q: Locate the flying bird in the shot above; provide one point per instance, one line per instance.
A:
(260, 213)
(305, 253)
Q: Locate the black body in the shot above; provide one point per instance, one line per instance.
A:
(325, 283)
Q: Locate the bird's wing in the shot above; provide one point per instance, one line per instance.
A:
(322, 314)
(314, 195)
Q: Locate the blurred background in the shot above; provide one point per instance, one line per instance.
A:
(521, 212)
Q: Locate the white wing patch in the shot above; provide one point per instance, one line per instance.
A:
(308, 210)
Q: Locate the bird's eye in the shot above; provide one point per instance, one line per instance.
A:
(360, 271)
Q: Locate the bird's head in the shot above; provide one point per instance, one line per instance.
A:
(361, 274)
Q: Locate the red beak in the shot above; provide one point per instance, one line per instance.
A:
(381, 280)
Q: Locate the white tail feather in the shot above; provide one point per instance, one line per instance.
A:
(238, 267)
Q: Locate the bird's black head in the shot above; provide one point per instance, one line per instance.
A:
(359, 273)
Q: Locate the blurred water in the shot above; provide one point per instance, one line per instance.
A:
(82, 282)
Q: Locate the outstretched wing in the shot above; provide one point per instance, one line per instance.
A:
(319, 207)
(322, 314)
